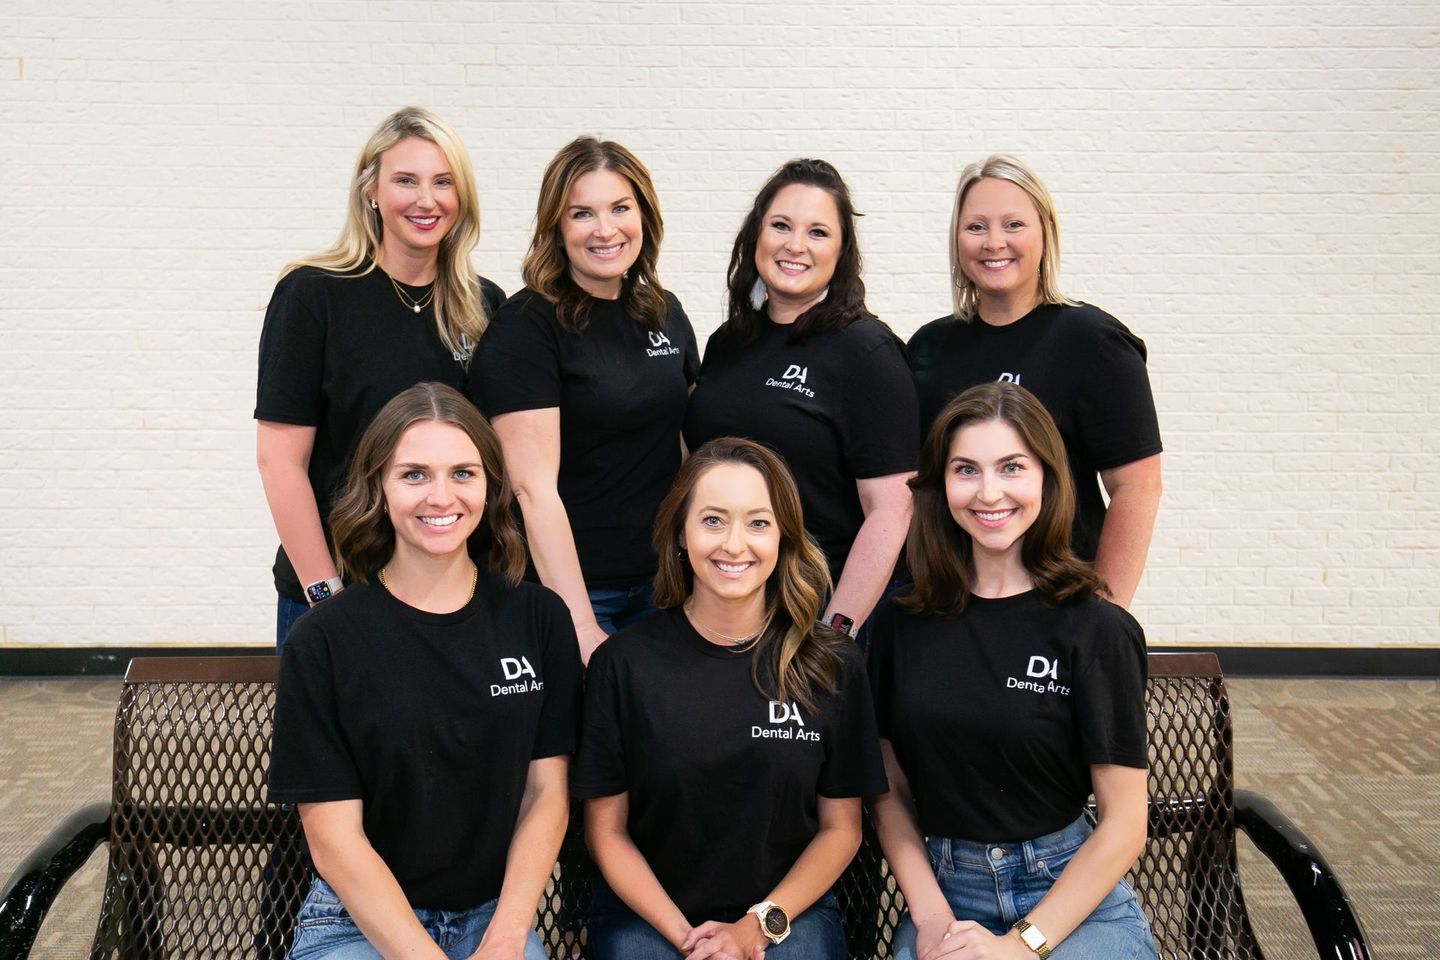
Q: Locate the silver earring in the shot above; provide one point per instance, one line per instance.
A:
(758, 294)
(373, 204)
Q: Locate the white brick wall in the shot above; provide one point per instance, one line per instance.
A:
(1254, 189)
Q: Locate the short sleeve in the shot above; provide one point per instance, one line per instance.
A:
(560, 715)
(310, 759)
(882, 664)
(292, 354)
(852, 766)
(680, 321)
(517, 364)
(881, 415)
(1116, 410)
(1110, 692)
(600, 765)
(492, 294)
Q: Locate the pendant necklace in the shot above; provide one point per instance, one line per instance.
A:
(414, 304)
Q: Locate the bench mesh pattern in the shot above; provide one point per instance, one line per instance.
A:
(202, 867)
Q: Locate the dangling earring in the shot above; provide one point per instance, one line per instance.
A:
(758, 294)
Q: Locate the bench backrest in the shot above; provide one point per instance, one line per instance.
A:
(200, 866)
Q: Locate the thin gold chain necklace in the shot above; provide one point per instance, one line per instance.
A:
(411, 302)
(474, 579)
(737, 641)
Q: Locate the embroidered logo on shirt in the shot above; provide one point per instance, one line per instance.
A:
(1044, 678)
(780, 716)
(1009, 378)
(517, 670)
(792, 379)
(660, 345)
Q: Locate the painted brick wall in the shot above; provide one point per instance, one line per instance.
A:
(1253, 189)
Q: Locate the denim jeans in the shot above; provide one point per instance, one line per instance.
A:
(618, 607)
(287, 611)
(617, 933)
(996, 884)
(323, 928)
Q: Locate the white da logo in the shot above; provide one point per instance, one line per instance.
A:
(660, 345)
(1045, 677)
(1009, 378)
(793, 378)
(796, 372)
(781, 716)
(516, 669)
(658, 339)
(1040, 667)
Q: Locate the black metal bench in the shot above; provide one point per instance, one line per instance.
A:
(200, 866)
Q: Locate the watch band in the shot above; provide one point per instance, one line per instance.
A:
(323, 590)
(774, 921)
(1031, 936)
(842, 623)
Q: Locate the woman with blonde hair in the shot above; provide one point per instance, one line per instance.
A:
(585, 373)
(1010, 323)
(393, 303)
(728, 738)
(424, 717)
(1007, 691)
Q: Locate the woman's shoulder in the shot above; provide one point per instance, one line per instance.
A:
(490, 292)
(306, 279)
(1089, 321)
(933, 333)
(1096, 619)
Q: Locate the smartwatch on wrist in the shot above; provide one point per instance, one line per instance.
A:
(842, 623)
(774, 922)
(323, 590)
(1031, 936)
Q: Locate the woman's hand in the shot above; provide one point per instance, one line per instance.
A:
(931, 931)
(590, 636)
(741, 940)
(967, 939)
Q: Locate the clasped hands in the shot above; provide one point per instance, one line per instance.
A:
(741, 940)
(942, 937)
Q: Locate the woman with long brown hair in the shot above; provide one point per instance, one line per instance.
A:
(1007, 690)
(728, 738)
(393, 303)
(585, 373)
(425, 716)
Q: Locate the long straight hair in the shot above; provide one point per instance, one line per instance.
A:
(941, 555)
(364, 535)
(460, 315)
(546, 269)
(845, 301)
(795, 657)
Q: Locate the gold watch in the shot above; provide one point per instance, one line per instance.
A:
(1031, 936)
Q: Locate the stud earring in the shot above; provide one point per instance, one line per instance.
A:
(373, 204)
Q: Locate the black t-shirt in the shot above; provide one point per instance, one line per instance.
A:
(997, 716)
(431, 720)
(621, 393)
(334, 350)
(839, 407)
(723, 782)
(1083, 365)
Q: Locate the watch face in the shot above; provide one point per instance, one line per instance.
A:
(1033, 938)
(775, 921)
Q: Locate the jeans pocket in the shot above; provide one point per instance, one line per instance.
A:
(322, 907)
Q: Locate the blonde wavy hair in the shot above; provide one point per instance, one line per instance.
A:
(1000, 166)
(459, 308)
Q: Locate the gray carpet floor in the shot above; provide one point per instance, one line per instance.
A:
(1356, 763)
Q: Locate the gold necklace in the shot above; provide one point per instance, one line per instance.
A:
(411, 302)
(737, 641)
(474, 579)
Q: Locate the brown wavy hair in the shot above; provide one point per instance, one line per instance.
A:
(796, 658)
(844, 304)
(365, 537)
(546, 269)
(941, 554)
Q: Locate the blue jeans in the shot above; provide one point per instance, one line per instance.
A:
(996, 884)
(618, 607)
(323, 928)
(287, 611)
(617, 933)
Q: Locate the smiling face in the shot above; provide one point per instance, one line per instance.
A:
(798, 246)
(1000, 240)
(434, 487)
(602, 230)
(993, 485)
(415, 195)
(730, 535)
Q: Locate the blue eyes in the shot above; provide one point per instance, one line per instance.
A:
(715, 523)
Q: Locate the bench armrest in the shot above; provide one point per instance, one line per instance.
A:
(33, 886)
(1333, 925)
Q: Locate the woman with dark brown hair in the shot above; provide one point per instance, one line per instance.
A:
(585, 373)
(801, 365)
(425, 715)
(1007, 690)
(729, 738)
